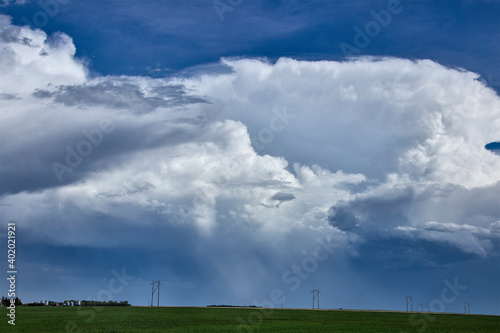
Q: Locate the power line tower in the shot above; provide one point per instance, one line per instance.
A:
(315, 293)
(409, 301)
(466, 307)
(155, 290)
(159, 284)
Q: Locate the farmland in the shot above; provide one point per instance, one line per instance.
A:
(171, 319)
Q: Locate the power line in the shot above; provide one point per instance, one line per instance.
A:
(466, 307)
(315, 293)
(159, 284)
(155, 289)
(409, 301)
(152, 292)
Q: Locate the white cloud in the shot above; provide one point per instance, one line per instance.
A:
(30, 60)
(372, 116)
(467, 239)
(360, 149)
(5, 3)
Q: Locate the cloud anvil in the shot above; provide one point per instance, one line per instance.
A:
(391, 159)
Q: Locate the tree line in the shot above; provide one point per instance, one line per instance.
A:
(6, 302)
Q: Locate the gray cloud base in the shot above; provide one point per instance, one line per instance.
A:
(385, 157)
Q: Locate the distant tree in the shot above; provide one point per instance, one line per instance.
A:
(6, 301)
(104, 303)
(35, 304)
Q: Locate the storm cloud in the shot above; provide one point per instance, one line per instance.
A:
(231, 177)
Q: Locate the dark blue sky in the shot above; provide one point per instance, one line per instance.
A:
(361, 125)
(136, 37)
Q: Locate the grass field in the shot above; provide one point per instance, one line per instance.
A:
(146, 320)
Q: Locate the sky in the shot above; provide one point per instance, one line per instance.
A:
(248, 152)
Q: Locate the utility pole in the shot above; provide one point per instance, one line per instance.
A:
(315, 293)
(466, 307)
(409, 301)
(159, 284)
(153, 290)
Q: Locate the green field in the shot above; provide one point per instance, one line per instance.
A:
(142, 319)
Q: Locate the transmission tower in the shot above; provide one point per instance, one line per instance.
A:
(315, 293)
(409, 301)
(155, 289)
(466, 307)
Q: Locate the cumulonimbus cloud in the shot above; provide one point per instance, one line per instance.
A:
(353, 148)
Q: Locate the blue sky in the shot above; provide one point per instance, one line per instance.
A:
(233, 148)
(174, 36)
